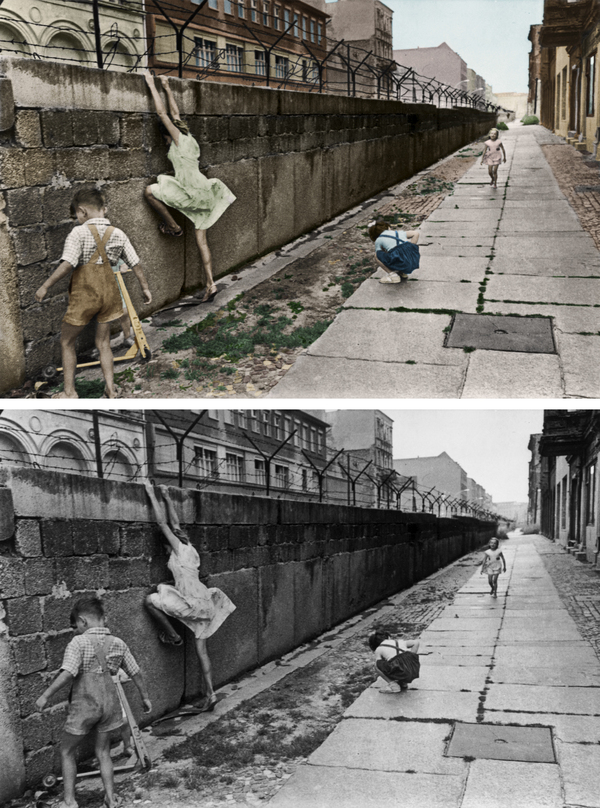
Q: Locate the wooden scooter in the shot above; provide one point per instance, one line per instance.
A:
(140, 344)
(139, 759)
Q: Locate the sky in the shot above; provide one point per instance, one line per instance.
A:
(490, 35)
(490, 445)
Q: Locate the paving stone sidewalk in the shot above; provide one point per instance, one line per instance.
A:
(506, 710)
(519, 250)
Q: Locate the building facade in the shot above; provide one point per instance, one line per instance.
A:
(569, 449)
(441, 63)
(535, 71)
(64, 31)
(279, 43)
(534, 507)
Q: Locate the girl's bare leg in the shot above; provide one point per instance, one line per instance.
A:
(383, 266)
(206, 257)
(161, 209)
(161, 618)
(206, 668)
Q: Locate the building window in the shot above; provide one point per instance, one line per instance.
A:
(296, 33)
(255, 423)
(266, 419)
(228, 6)
(282, 477)
(205, 53)
(213, 4)
(260, 64)
(305, 479)
(260, 477)
(590, 494)
(241, 419)
(265, 14)
(234, 465)
(590, 74)
(276, 13)
(304, 28)
(241, 9)
(320, 33)
(286, 19)
(287, 430)
(235, 58)
(277, 425)
(312, 30)
(253, 11)
(205, 461)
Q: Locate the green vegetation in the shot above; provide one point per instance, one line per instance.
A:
(528, 120)
(502, 126)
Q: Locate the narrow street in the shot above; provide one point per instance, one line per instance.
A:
(519, 251)
(506, 711)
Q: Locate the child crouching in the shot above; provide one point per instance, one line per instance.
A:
(396, 660)
(90, 660)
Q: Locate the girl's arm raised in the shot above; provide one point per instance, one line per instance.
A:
(173, 108)
(160, 517)
(160, 108)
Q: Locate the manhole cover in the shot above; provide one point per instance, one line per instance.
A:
(532, 744)
(495, 332)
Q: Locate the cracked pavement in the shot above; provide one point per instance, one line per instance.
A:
(519, 250)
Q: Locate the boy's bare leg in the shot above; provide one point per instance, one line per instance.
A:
(161, 209)
(162, 620)
(125, 324)
(68, 339)
(206, 667)
(106, 767)
(106, 357)
(206, 257)
(68, 747)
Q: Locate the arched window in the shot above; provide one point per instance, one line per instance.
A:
(65, 456)
(12, 451)
(116, 466)
(116, 56)
(12, 43)
(65, 47)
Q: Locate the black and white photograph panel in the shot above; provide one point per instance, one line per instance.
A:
(213, 198)
(299, 608)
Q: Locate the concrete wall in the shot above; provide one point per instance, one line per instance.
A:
(293, 569)
(65, 125)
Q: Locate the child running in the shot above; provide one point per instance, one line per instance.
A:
(90, 660)
(492, 156)
(493, 563)
(90, 251)
(396, 660)
(396, 251)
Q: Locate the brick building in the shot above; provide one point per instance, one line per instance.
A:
(441, 63)
(255, 42)
(535, 71)
(64, 31)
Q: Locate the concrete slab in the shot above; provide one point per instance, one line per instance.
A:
(558, 676)
(415, 294)
(580, 767)
(514, 245)
(546, 655)
(483, 611)
(448, 639)
(398, 746)
(492, 374)
(568, 728)
(454, 249)
(528, 334)
(327, 377)
(530, 223)
(539, 699)
(358, 335)
(496, 784)
(580, 358)
(445, 657)
(324, 787)
(485, 649)
(493, 742)
(582, 291)
(451, 677)
(471, 229)
(415, 703)
(452, 268)
(569, 319)
(451, 213)
(465, 624)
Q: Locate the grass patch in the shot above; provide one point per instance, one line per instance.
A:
(451, 312)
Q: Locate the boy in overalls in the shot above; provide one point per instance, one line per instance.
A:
(90, 660)
(90, 252)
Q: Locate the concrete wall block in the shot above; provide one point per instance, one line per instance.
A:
(57, 128)
(45, 352)
(29, 244)
(243, 558)
(133, 539)
(139, 572)
(29, 653)
(24, 206)
(40, 320)
(91, 127)
(85, 572)
(118, 573)
(38, 764)
(132, 131)
(56, 202)
(55, 645)
(28, 537)
(39, 166)
(109, 538)
(86, 536)
(7, 515)
(12, 168)
(37, 732)
(12, 577)
(276, 610)
(28, 128)
(57, 612)
(39, 575)
(241, 536)
(158, 570)
(31, 277)
(216, 563)
(24, 615)
(57, 537)
(30, 688)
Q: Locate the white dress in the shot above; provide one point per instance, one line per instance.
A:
(199, 608)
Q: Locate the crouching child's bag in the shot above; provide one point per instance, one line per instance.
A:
(402, 668)
(404, 257)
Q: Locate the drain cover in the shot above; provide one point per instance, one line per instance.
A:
(493, 742)
(496, 332)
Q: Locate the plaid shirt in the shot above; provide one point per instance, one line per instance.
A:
(80, 245)
(80, 657)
